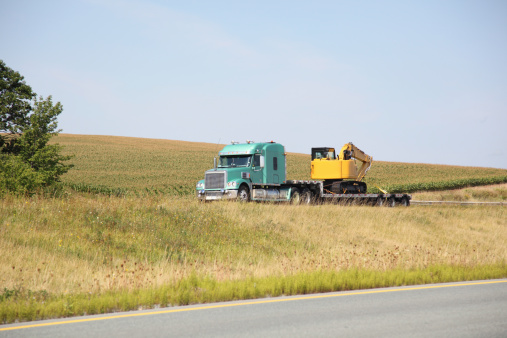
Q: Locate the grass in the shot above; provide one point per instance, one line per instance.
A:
(492, 193)
(129, 234)
(29, 305)
(90, 253)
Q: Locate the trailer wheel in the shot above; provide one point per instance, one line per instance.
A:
(295, 196)
(306, 196)
(380, 201)
(391, 202)
(405, 201)
(243, 194)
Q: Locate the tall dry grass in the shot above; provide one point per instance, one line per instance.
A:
(490, 193)
(93, 244)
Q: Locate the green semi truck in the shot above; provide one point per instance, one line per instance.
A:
(258, 172)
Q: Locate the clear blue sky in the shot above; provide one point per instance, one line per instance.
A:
(409, 81)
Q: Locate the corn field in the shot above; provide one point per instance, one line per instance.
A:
(119, 165)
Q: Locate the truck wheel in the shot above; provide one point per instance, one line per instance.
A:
(306, 196)
(295, 196)
(380, 201)
(391, 202)
(243, 194)
(405, 201)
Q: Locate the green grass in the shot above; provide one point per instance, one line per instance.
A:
(21, 304)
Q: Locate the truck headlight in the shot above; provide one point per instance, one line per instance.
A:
(231, 184)
(200, 185)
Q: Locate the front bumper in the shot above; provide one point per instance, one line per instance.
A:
(214, 195)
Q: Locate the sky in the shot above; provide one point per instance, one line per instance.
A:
(405, 81)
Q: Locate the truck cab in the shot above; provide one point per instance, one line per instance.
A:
(240, 168)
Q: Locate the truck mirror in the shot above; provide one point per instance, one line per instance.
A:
(215, 163)
(262, 161)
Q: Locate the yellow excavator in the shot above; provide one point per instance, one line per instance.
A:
(339, 171)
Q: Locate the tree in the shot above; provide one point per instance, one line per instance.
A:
(15, 99)
(16, 176)
(27, 123)
(44, 158)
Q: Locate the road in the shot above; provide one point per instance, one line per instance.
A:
(465, 309)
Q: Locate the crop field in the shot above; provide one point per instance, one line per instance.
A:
(142, 165)
(131, 235)
(173, 167)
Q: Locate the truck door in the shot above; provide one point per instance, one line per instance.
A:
(258, 172)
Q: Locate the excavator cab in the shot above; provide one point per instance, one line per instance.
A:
(323, 154)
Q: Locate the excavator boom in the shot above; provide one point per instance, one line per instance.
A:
(349, 151)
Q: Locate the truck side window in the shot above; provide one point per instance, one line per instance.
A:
(275, 163)
(257, 160)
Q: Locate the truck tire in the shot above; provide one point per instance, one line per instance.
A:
(243, 194)
(306, 196)
(380, 201)
(295, 196)
(391, 202)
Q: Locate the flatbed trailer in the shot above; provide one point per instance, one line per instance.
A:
(313, 191)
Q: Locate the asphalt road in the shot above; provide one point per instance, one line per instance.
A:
(466, 309)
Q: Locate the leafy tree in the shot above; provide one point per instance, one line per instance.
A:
(17, 176)
(15, 99)
(27, 123)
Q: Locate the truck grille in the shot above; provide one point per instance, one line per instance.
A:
(215, 180)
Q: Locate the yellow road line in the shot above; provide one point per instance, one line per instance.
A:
(264, 301)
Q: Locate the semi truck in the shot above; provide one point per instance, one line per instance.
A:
(258, 172)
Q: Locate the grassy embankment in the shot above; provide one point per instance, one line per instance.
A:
(489, 193)
(88, 253)
(94, 254)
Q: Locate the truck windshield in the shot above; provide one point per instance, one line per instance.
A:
(234, 161)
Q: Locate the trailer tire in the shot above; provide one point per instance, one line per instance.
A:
(243, 193)
(391, 202)
(295, 196)
(380, 201)
(306, 196)
(405, 201)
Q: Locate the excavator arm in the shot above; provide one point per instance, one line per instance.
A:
(349, 151)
